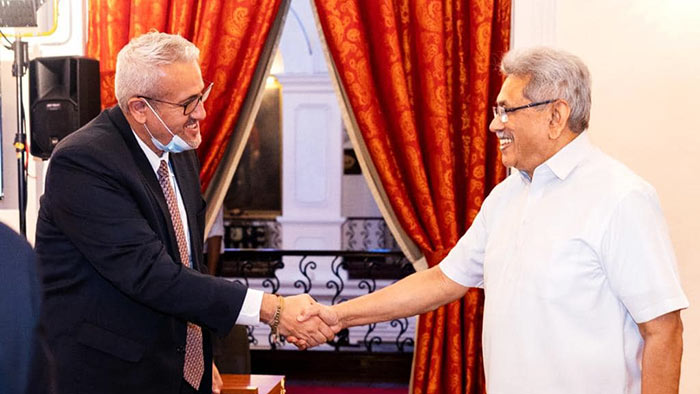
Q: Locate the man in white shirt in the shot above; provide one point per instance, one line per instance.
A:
(582, 293)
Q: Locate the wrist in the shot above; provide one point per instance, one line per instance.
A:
(268, 308)
(342, 318)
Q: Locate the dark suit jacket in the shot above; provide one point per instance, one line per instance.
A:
(116, 302)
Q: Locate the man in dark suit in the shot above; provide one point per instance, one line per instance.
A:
(128, 308)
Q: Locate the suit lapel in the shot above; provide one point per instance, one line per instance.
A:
(147, 176)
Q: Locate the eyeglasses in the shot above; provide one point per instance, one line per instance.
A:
(189, 105)
(500, 112)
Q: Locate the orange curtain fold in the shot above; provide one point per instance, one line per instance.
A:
(420, 76)
(230, 35)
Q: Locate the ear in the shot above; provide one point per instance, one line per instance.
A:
(559, 119)
(137, 109)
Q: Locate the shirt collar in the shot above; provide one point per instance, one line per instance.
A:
(153, 159)
(570, 156)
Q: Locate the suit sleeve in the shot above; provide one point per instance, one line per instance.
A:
(107, 215)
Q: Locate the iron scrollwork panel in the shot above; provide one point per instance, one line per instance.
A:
(364, 267)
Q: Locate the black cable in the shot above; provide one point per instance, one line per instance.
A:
(6, 39)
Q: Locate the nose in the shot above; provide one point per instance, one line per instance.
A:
(496, 124)
(199, 112)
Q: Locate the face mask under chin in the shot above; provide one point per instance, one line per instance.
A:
(176, 144)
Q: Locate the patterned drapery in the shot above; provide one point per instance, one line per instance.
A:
(230, 34)
(419, 77)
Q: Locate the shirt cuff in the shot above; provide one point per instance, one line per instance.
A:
(250, 311)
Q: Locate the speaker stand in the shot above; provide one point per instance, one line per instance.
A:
(19, 68)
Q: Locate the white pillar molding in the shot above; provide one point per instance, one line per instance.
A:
(312, 152)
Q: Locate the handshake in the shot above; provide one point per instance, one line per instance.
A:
(304, 322)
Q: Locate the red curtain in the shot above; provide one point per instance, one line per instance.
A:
(230, 35)
(420, 76)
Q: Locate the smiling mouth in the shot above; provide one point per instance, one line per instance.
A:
(192, 125)
(505, 140)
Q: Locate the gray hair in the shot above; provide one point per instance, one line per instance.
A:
(554, 74)
(138, 63)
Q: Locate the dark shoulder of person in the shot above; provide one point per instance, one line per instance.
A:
(23, 347)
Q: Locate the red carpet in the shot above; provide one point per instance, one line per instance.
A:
(298, 389)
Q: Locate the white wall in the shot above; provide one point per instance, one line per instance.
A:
(644, 56)
(67, 40)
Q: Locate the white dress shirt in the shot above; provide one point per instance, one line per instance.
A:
(217, 230)
(570, 262)
(250, 311)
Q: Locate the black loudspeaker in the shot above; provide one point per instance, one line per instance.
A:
(64, 94)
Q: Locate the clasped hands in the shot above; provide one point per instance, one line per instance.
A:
(306, 323)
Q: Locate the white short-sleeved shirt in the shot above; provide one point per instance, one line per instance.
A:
(570, 262)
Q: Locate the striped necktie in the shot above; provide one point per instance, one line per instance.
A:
(194, 353)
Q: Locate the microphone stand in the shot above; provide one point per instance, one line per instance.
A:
(19, 68)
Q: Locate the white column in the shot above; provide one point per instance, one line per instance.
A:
(312, 153)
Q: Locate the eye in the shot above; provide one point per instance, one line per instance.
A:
(189, 101)
(190, 105)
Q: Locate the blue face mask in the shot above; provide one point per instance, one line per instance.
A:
(176, 144)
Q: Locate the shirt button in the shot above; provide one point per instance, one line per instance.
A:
(180, 349)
